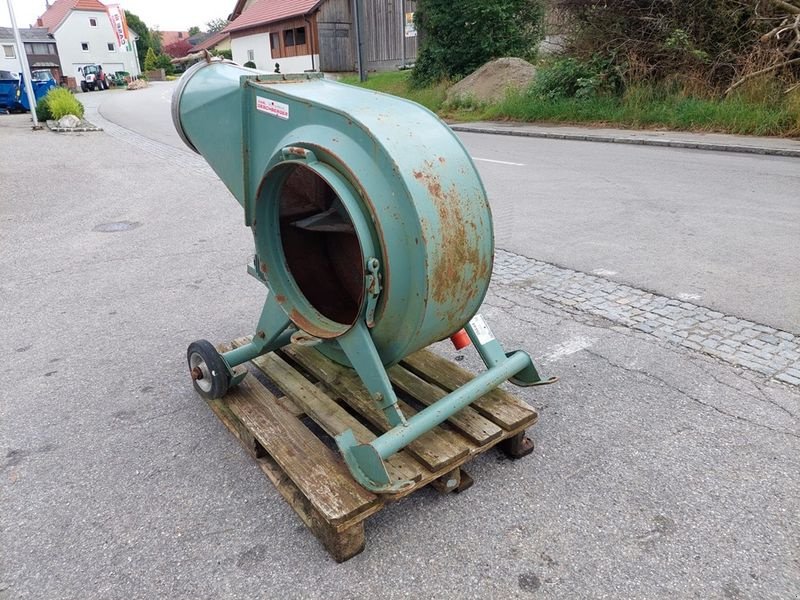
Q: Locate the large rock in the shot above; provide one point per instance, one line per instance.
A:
(491, 81)
(69, 121)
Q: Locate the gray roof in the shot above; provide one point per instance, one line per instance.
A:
(28, 34)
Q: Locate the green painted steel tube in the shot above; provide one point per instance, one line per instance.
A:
(242, 354)
(399, 437)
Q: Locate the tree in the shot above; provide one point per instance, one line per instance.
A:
(455, 42)
(150, 60)
(146, 39)
(178, 49)
(193, 30)
(215, 25)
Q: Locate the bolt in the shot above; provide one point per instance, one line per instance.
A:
(197, 373)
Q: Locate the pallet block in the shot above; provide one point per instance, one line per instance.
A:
(289, 434)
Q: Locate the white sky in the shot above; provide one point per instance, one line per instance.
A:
(166, 15)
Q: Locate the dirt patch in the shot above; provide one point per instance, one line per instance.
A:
(491, 81)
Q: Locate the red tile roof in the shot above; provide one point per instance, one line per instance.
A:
(210, 41)
(170, 37)
(269, 11)
(60, 9)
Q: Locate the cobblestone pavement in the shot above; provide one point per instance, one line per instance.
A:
(763, 349)
(744, 343)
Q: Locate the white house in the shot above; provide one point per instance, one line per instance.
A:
(84, 34)
(39, 46)
(320, 35)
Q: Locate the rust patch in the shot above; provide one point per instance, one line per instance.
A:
(460, 273)
(280, 298)
(310, 327)
(442, 160)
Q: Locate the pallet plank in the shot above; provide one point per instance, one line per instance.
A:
(313, 467)
(342, 545)
(436, 449)
(329, 415)
(475, 427)
(498, 406)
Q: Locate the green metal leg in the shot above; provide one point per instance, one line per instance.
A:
(361, 352)
(274, 331)
(493, 354)
(366, 460)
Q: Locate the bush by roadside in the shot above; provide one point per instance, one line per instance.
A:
(572, 94)
(59, 102)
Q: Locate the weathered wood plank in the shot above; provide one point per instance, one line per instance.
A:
(314, 468)
(498, 406)
(436, 450)
(475, 427)
(343, 544)
(328, 414)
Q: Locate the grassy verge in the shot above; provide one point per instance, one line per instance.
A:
(640, 108)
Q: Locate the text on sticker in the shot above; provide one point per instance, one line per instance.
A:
(276, 109)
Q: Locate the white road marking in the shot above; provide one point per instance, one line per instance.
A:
(689, 297)
(570, 347)
(499, 162)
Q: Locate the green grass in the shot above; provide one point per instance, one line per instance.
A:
(642, 107)
(397, 83)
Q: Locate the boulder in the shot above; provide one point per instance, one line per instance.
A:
(69, 121)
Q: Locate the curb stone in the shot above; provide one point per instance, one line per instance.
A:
(84, 126)
(642, 141)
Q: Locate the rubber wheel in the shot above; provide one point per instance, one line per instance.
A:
(208, 370)
(84, 87)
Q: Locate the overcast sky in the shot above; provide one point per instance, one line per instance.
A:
(166, 15)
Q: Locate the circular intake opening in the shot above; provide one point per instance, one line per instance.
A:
(320, 245)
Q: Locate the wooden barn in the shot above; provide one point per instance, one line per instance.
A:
(320, 35)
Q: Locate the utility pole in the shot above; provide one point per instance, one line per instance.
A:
(358, 18)
(26, 70)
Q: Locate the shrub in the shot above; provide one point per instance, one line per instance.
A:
(150, 60)
(43, 110)
(571, 78)
(60, 103)
(249, 64)
(455, 42)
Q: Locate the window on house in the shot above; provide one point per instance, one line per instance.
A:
(180, 35)
(8, 51)
(85, 46)
(111, 47)
(33, 48)
(251, 55)
(288, 37)
(275, 41)
(300, 36)
(92, 22)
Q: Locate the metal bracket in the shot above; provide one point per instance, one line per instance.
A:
(492, 354)
(373, 288)
(298, 153)
(254, 271)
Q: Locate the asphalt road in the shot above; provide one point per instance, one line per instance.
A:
(659, 473)
(718, 229)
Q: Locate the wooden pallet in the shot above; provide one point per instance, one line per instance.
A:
(290, 434)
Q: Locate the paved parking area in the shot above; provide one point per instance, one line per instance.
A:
(661, 471)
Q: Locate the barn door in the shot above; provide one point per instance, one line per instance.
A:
(335, 46)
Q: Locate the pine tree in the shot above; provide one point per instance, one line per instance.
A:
(150, 60)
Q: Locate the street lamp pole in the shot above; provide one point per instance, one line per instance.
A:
(26, 70)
